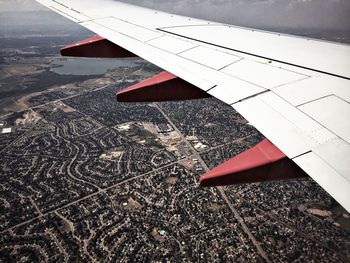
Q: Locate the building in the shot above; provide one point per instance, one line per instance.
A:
(164, 127)
(6, 130)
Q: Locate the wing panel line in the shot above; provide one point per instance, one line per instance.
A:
(255, 55)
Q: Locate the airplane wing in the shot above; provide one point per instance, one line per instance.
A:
(294, 90)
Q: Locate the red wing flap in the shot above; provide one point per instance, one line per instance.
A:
(96, 47)
(162, 87)
(264, 162)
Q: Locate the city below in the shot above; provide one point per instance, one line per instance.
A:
(87, 179)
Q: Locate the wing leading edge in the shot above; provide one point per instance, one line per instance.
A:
(294, 90)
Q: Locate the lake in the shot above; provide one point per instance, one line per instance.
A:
(90, 66)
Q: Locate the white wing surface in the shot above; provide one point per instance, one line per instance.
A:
(296, 91)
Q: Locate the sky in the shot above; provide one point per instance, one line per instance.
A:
(294, 14)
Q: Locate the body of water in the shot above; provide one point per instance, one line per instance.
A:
(90, 66)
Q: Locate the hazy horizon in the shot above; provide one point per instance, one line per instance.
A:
(330, 15)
